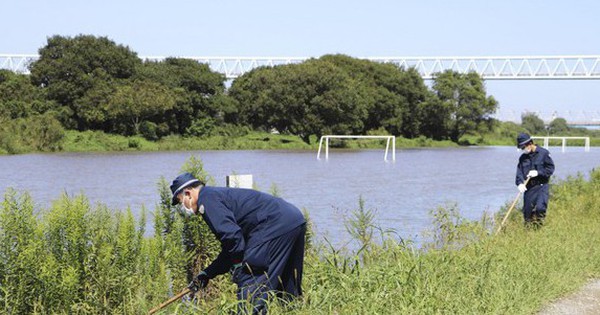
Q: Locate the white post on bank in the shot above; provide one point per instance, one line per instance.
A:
(239, 181)
(391, 139)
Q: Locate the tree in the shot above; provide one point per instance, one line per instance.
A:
(332, 94)
(385, 106)
(532, 123)
(201, 91)
(465, 96)
(132, 104)
(435, 117)
(395, 94)
(558, 126)
(69, 67)
(315, 97)
(20, 99)
(92, 108)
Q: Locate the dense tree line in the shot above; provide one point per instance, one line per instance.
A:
(343, 95)
(92, 83)
(105, 86)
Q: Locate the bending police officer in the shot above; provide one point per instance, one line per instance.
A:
(262, 239)
(535, 163)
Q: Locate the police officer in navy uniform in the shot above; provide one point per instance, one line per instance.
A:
(536, 164)
(262, 239)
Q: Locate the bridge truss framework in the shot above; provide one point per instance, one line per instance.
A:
(572, 67)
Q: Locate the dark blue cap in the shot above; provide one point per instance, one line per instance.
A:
(522, 140)
(179, 183)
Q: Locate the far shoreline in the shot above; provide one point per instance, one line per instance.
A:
(100, 142)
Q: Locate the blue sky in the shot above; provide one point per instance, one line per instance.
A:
(313, 28)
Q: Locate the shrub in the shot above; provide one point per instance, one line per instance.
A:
(34, 133)
(77, 258)
(20, 250)
(148, 130)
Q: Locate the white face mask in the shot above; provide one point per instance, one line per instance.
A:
(187, 211)
(527, 150)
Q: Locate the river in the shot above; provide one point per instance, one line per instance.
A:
(477, 179)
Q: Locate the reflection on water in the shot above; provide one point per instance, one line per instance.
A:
(402, 192)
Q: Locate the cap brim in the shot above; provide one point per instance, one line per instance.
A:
(524, 143)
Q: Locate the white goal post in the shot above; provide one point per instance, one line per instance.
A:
(387, 146)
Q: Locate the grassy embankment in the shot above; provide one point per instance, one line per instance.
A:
(97, 141)
(84, 259)
(503, 134)
(515, 272)
(94, 141)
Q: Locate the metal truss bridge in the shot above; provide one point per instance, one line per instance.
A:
(578, 118)
(585, 67)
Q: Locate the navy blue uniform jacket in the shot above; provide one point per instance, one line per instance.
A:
(243, 218)
(540, 161)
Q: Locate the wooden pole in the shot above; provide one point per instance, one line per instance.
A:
(511, 207)
(169, 301)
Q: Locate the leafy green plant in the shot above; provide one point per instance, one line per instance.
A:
(190, 242)
(361, 225)
(19, 251)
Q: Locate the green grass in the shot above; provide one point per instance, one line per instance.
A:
(495, 139)
(97, 141)
(423, 142)
(465, 269)
(250, 141)
(468, 271)
(77, 258)
(504, 134)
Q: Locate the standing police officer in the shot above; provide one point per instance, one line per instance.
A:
(536, 164)
(262, 239)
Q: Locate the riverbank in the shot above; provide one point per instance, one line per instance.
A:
(466, 270)
(90, 258)
(98, 141)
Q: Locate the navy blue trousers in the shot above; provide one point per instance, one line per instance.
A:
(535, 202)
(274, 266)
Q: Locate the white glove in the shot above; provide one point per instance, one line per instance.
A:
(522, 188)
(532, 173)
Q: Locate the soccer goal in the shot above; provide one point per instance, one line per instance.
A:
(391, 139)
